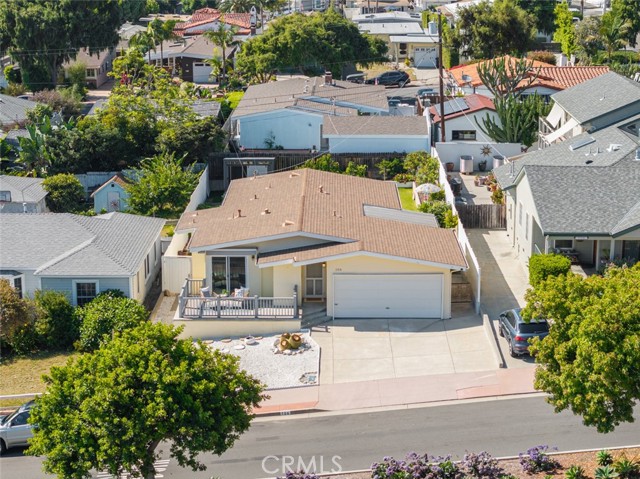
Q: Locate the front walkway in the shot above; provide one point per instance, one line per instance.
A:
(375, 349)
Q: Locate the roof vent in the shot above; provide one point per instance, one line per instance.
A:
(613, 147)
(255, 197)
(287, 223)
(266, 212)
(239, 214)
(268, 187)
(293, 175)
(588, 162)
(321, 189)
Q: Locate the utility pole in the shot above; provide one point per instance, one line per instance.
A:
(443, 136)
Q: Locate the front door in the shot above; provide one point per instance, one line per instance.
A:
(314, 281)
(113, 200)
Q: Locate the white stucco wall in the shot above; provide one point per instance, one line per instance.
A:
(451, 151)
(291, 129)
(285, 277)
(377, 144)
(225, 328)
(525, 213)
(468, 122)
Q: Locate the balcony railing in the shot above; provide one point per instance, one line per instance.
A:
(193, 306)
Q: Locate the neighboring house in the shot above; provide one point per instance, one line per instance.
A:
(126, 31)
(462, 117)
(580, 197)
(308, 235)
(13, 138)
(13, 111)
(19, 194)
(589, 106)
(112, 195)
(98, 65)
(376, 134)
(207, 19)
(299, 105)
(80, 255)
(551, 79)
(202, 108)
(188, 57)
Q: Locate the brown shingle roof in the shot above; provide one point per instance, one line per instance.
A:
(376, 125)
(321, 204)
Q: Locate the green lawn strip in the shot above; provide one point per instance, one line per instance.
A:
(406, 199)
(21, 375)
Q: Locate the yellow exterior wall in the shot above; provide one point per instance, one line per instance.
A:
(285, 277)
(198, 266)
(267, 282)
(369, 264)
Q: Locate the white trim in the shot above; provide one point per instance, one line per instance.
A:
(422, 136)
(260, 239)
(232, 252)
(74, 288)
(239, 116)
(365, 253)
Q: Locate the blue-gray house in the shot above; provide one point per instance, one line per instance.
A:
(80, 255)
(112, 195)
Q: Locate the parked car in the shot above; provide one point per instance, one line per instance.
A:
(390, 78)
(518, 332)
(425, 92)
(14, 428)
(355, 77)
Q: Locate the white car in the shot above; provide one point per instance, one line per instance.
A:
(14, 428)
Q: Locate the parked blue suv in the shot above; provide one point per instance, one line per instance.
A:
(518, 332)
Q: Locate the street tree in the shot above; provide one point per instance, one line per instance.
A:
(613, 31)
(163, 187)
(629, 11)
(322, 41)
(542, 10)
(65, 193)
(110, 410)
(42, 34)
(160, 32)
(222, 37)
(488, 30)
(565, 33)
(589, 361)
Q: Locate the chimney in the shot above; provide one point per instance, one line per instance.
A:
(266, 211)
(321, 188)
(239, 214)
(328, 78)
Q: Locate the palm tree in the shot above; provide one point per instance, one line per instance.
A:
(613, 31)
(237, 6)
(143, 42)
(224, 38)
(159, 32)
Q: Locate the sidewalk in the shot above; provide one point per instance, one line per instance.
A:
(400, 391)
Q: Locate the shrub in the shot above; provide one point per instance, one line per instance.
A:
(605, 472)
(57, 325)
(12, 74)
(537, 460)
(541, 266)
(105, 315)
(15, 89)
(604, 458)
(542, 56)
(59, 101)
(438, 209)
(298, 475)
(65, 193)
(450, 220)
(390, 168)
(627, 468)
(24, 339)
(497, 196)
(623, 57)
(417, 466)
(575, 472)
(403, 178)
(437, 196)
(323, 163)
(17, 316)
(482, 466)
(354, 169)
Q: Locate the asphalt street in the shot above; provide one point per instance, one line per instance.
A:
(503, 427)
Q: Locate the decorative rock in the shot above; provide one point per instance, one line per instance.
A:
(287, 352)
(226, 340)
(239, 347)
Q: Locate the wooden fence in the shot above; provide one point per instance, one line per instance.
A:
(483, 216)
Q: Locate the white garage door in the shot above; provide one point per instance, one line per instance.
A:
(201, 72)
(388, 295)
(425, 57)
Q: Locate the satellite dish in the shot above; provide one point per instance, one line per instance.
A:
(466, 78)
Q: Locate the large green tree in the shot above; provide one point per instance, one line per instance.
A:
(488, 30)
(590, 361)
(588, 39)
(222, 37)
(65, 193)
(629, 11)
(110, 410)
(15, 312)
(42, 34)
(543, 12)
(308, 44)
(565, 33)
(613, 31)
(162, 188)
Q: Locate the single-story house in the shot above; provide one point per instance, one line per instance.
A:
(580, 197)
(345, 242)
(98, 65)
(80, 255)
(112, 195)
(206, 19)
(13, 111)
(461, 118)
(376, 134)
(299, 105)
(19, 194)
(550, 78)
(422, 50)
(589, 106)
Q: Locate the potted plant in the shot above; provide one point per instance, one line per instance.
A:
(482, 165)
(450, 166)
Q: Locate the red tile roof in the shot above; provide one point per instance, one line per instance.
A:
(475, 103)
(205, 16)
(472, 70)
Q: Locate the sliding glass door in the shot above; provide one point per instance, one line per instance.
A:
(228, 273)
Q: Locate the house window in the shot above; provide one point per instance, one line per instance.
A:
(91, 72)
(228, 273)
(520, 214)
(526, 226)
(146, 267)
(85, 291)
(631, 250)
(463, 135)
(5, 196)
(17, 285)
(155, 254)
(563, 243)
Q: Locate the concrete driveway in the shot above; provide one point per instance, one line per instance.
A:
(372, 349)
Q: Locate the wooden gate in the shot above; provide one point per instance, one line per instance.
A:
(483, 216)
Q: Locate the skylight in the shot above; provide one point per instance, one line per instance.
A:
(581, 143)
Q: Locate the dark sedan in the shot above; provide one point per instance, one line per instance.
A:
(518, 332)
(390, 78)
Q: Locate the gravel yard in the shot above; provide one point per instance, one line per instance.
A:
(276, 370)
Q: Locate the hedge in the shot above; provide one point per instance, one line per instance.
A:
(541, 266)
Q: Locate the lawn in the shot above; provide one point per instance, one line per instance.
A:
(24, 375)
(406, 198)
